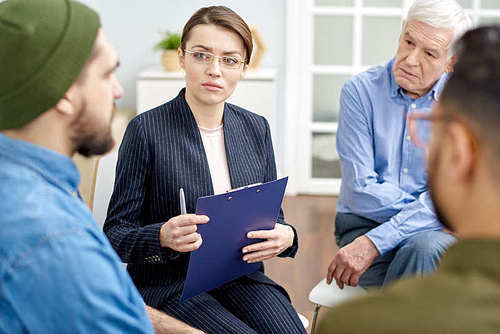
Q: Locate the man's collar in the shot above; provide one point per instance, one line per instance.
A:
(438, 87)
(55, 167)
(395, 88)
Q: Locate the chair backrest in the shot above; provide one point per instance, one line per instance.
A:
(103, 186)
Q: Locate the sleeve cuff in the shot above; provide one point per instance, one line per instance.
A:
(385, 237)
(158, 254)
(292, 250)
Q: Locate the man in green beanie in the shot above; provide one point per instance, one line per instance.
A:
(462, 140)
(58, 272)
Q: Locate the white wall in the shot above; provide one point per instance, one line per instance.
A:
(132, 26)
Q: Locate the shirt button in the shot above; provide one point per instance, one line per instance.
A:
(408, 138)
(405, 170)
(430, 98)
(413, 105)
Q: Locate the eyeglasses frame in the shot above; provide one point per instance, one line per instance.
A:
(219, 59)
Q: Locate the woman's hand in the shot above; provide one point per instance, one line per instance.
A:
(179, 233)
(278, 239)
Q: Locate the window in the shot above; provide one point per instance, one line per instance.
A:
(328, 42)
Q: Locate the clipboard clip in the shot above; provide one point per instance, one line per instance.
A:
(244, 187)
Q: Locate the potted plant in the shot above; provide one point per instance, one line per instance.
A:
(169, 44)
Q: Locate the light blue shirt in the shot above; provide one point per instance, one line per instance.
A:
(58, 272)
(383, 174)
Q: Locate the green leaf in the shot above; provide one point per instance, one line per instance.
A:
(170, 41)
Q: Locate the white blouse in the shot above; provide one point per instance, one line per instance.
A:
(215, 149)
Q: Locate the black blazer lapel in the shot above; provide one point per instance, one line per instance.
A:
(194, 150)
(240, 150)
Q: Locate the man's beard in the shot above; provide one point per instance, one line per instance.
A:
(431, 181)
(91, 138)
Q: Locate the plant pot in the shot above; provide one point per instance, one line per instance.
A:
(170, 60)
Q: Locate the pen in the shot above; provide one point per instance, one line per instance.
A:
(182, 201)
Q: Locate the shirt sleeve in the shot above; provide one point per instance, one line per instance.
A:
(71, 282)
(134, 242)
(271, 176)
(364, 191)
(417, 216)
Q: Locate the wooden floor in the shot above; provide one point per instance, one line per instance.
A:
(312, 217)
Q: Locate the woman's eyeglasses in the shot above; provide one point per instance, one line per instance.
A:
(228, 62)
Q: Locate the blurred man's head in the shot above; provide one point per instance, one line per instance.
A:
(57, 73)
(424, 52)
(464, 152)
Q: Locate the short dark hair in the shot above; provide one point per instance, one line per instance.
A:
(473, 90)
(223, 17)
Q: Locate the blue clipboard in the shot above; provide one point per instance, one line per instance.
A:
(232, 215)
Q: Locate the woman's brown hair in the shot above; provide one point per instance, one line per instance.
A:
(223, 17)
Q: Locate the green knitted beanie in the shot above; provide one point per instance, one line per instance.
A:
(44, 45)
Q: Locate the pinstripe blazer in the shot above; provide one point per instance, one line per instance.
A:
(162, 151)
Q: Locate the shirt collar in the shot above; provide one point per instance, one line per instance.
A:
(56, 168)
(439, 85)
(435, 91)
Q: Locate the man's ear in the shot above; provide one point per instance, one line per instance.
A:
(464, 152)
(69, 104)
(65, 106)
(451, 63)
(180, 55)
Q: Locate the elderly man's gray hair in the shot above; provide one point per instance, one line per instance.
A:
(447, 14)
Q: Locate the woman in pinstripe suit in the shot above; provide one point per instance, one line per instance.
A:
(206, 146)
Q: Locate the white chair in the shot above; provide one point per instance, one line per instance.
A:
(103, 186)
(330, 295)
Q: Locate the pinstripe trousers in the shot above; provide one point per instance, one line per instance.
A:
(242, 306)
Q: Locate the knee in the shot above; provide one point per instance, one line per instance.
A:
(428, 245)
(349, 226)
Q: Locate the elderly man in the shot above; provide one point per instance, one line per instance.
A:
(386, 226)
(463, 296)
(58, 272)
